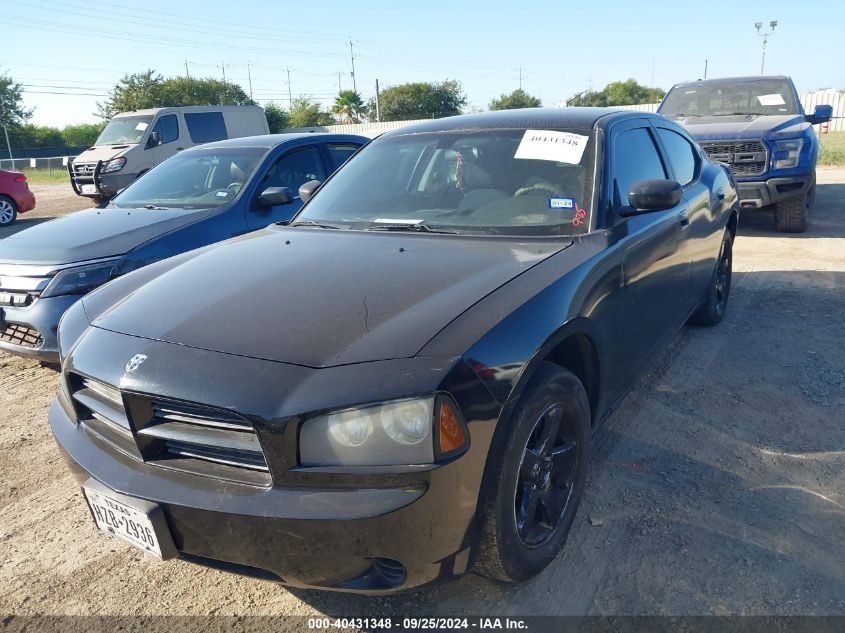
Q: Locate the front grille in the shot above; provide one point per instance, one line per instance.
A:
(83, 170)
(745, 158)
(22, 335)
(176, 435)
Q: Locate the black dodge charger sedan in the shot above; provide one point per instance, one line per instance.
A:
(399, 385)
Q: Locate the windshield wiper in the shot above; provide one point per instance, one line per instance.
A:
(419, 227)
(319, 225)
(153, 207)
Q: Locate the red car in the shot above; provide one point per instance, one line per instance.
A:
(15, 196)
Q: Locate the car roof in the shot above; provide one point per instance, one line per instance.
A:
(152, 111)
(525, 118)
(734, 80)
(268, 141)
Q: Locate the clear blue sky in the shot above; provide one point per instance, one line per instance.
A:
(81, 49)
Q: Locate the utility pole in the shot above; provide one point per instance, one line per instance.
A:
(378, 104)
(223, 66)
(9, 146)
(338, 83)
(249, 77)
(705, 69)
(520, 77)
(290, 96)
(187, 72)
(765, 36)
(352, 61)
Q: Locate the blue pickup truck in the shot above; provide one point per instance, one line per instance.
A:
(757, 126)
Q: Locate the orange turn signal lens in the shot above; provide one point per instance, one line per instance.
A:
(451, 434)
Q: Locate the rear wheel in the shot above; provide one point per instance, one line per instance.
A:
(713, 309)
(8, 211)
(540, 479)
(791, 215)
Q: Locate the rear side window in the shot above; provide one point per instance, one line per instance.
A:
(682, 155)
(205, 127)
(340, 152)
(635, 158)
(168, 128)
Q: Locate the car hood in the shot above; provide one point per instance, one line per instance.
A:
(102, 152)
(742, 127)
(92, 234)
(322, 298)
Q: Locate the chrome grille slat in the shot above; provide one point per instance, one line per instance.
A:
(201, 417)
(203, 436)
(251, 461)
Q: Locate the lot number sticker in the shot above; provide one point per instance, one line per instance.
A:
(771, 100)
(561, 147)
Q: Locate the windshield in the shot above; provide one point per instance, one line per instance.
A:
(493, 182)
(124, 130)
(197, 178)
(765, 96)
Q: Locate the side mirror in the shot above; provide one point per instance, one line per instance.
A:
(307, 190)
(654, 195)
(274, 196)
(822, 114)
(155, 139)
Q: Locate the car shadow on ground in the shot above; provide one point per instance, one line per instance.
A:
(720, 473)
(828, 219)
(21, 224)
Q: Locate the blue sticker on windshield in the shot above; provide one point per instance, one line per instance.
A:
(562, 203)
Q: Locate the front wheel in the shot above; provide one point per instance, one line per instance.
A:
(540, 479)
(713, 309)
(8, 211)
(791, 214)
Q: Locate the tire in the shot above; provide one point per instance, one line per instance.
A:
(8, 211)
(791, 215)
(513, 546)
(712, 311)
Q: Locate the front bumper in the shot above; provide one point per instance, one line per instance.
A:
(41, 316)
(365, 540)
(758, 194)
(105, 185)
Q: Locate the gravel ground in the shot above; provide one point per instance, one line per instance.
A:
(717, 488)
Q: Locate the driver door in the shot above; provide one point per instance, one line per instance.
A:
(292, 170)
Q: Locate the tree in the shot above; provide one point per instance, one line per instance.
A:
(305, 112)
(151, 90)
(420, 100)
(28, 136)
(81, 135)
(278, 118)
(618, 93)
(12, 111)
(349, 106)
(515, 100)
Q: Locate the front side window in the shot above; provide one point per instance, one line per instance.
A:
(296, 168)
(635, 158)
(193, 179)
(714, 98)
(205, 127)
(340, 153)
(167, 128)
(682, 155)
(489, 182)
(124, 130)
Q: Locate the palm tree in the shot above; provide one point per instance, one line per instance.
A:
(349, 106)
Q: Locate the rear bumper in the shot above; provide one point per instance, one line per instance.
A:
(42, 317)
(370, 540)
(25, 201)
(755, 195)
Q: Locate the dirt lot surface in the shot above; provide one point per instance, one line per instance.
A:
(717, 488)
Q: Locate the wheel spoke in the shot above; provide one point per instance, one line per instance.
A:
(530, 464)
(553, 503)
(526, 518)
(551, 428)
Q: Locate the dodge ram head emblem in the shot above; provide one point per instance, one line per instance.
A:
(135, 362)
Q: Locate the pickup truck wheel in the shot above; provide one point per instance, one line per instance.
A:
(792, 214)
(713, 309)
(540, 478)
(8, 211)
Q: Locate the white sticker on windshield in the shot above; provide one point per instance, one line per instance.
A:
(770, 100)
(141, 126)
(561, 147)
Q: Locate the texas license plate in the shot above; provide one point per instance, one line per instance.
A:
(130, 521)
(88, 188)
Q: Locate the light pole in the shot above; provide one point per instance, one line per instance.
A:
(765, 36)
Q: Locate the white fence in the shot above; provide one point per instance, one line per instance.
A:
(364, 129)
(49, 164)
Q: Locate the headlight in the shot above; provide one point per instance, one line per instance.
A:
(79, 280)
(395, 433)
(787, 153)
(113, 165)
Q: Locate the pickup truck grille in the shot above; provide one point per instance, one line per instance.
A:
(171, 434)
(745, 158)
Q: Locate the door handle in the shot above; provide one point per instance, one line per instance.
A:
(683, 218)
(179, 149)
